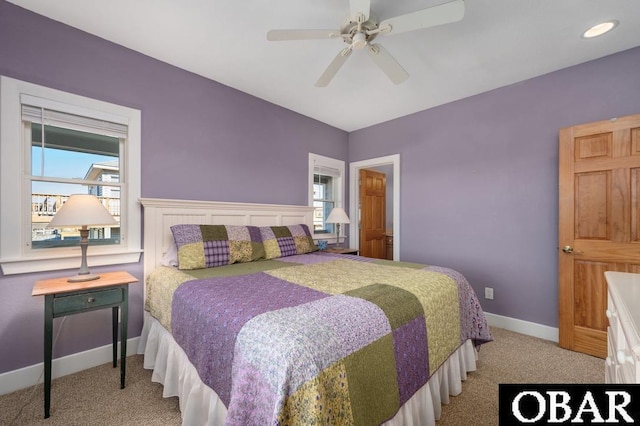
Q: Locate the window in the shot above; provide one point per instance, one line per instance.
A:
(323, 202)
(326, 177)
(55, 144)
(70, 154)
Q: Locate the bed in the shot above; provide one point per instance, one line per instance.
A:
(258, 327)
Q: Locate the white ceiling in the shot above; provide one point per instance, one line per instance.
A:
(497, 43)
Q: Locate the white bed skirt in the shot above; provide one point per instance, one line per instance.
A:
(200, 405)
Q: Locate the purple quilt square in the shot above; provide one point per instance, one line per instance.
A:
(254, 233)
(287, 246)
(412, 358)
(216, 253)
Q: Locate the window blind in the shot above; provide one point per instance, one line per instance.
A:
(326, 171)
(37, 114)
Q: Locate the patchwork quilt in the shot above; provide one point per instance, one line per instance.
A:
(206, 246)
(282, 241)
(322, 338)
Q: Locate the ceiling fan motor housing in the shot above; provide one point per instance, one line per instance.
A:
(358, 35)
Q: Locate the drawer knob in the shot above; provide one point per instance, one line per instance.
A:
(609, 362)
(91, 299)
(610, 314)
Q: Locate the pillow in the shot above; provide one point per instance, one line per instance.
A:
(170, 258)
(281, 241)
(206, 246)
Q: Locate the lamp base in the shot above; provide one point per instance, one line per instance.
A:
(84, 277)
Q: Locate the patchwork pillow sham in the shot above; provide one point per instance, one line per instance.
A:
(206, 246)
(281, 241)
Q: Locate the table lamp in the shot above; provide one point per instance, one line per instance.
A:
(82, 211)
(338, 216)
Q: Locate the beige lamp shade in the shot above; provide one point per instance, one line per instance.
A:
(338, 215)
(82, 210)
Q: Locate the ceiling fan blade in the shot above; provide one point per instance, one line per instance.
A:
(333, 68)
(360, 7)
(280, 35)
(425, 18)
(387, 63)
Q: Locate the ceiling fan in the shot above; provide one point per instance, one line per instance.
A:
(362, 28)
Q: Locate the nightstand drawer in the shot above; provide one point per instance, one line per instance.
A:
(88, 300)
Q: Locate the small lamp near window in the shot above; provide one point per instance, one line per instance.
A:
(82, 211)
(338, 216)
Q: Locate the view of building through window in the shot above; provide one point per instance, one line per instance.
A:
(65, 162)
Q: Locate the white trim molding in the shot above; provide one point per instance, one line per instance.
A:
(354, 197)
(16, 254)
(30, 376)
(317, 163)
(523, 327)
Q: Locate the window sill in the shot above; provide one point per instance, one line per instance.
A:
(327, 237)
(39, 264)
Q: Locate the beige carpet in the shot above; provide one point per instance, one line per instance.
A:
(515, 358)
(93, 397)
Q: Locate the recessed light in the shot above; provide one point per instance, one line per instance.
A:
(599, 29)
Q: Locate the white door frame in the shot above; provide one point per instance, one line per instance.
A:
(354, 197)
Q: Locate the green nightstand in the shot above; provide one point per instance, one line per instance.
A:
(62, 298)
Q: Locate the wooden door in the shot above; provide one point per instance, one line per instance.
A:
(373, 197)
(599, 224)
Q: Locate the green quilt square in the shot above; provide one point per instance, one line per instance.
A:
(399, 305)
(304, 245)
(191, 256)
(323, 400)
(373, 382)
(214, 233)
(281, 231)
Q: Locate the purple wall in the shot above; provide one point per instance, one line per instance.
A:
(479, 178)
(200, 140)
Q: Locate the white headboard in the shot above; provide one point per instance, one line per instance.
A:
(161, 214)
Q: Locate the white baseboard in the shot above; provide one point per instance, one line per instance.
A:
(523, 327)
(28, 376)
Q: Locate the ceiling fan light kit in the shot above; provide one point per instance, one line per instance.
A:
(359, 40)
(362, 28)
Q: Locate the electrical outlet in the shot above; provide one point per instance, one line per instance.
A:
(488, 293)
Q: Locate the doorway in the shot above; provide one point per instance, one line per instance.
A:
(354, 197)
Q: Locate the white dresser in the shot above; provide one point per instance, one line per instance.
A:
(623, 310)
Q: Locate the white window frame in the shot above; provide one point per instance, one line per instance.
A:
(316, 160)
(16, 255)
